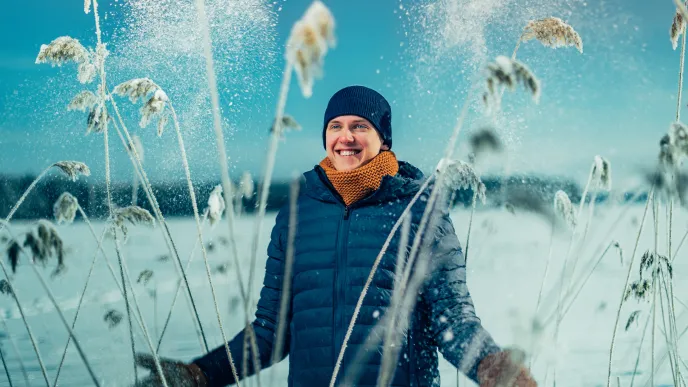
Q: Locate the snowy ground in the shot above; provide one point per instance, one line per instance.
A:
(506, 263)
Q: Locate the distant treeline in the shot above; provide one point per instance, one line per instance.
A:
(174, 200)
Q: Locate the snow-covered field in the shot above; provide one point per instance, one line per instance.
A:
(506, 264)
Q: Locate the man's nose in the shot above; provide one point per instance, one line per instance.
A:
(346, 136)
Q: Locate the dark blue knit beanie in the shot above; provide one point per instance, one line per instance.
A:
(363, 102)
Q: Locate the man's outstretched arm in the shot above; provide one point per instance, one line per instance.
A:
(215, 364)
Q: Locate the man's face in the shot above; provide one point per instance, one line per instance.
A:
(351, 142)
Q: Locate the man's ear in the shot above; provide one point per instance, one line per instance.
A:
(384, 147)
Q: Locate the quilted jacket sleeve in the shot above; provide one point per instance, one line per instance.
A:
(457, 330)
(215, 364)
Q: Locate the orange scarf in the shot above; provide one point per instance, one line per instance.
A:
(356, 184)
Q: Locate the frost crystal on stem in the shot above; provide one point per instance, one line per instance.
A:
(73, 169)
(508, 73)
(308, 43)
(564, 209)
(65, 208)
(216, 205)
(460, 175)
(552, 32)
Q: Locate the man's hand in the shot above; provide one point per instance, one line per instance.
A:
(177, 374)
(504, 369)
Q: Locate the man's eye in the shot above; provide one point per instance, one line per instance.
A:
(334, 126)
(360, 126)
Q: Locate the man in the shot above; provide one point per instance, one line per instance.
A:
(345, 212)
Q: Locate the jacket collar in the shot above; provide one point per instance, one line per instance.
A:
(406, 183)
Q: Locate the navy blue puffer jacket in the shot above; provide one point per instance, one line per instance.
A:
(335, 247)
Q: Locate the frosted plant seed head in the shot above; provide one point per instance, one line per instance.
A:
(678, 27)
(61, 50)
(321, 17)
(132, 214)
(5, 287)
(460, 175)
(73, 169)
(162, 123)
(484, 140)
(564, 209)
(308, 43)
(216, 205)
(13, 254)
(113, 318)
(87, 6)
(136, 88)
(97, 119)
(246, 184)
(678, 137)
(552, 32)
(65, 208)
(144, 276)
(67, 49)
(154, 106)
(46, 243)
(602, 171)
(83, 101)
(86, 72)
(509, 73)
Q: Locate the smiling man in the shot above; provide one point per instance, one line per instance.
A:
(349, 204)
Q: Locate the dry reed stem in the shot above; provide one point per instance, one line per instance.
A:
(447, 156)
(78, 306)
(124, 271)
(390, 351)
(167, 236)
(369, 280)
(57, 307)
(16, 351)
(200, 238)
(628, 277)
(26, 323)
(222, 154)
(179, 286)
(4, 365)
(289, 261)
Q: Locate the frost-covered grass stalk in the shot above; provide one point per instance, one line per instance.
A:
(57, 307)
(4, 366)
(100, 250)
(124, 271)
(416, 242)
(286, 282)
(310, 38)
(179, 286)
(150, 195)
(628, 277)
(71, 169)
(390, 351)
(369, 280)
(678, 28)
(222, 156)
(13, 292)
(16, 351)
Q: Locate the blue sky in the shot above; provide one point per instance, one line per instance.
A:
(616, 99)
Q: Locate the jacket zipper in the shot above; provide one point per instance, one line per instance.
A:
(339, 297)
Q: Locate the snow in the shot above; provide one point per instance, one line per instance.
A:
(508, 255)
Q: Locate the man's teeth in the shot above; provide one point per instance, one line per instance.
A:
(347, 153)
